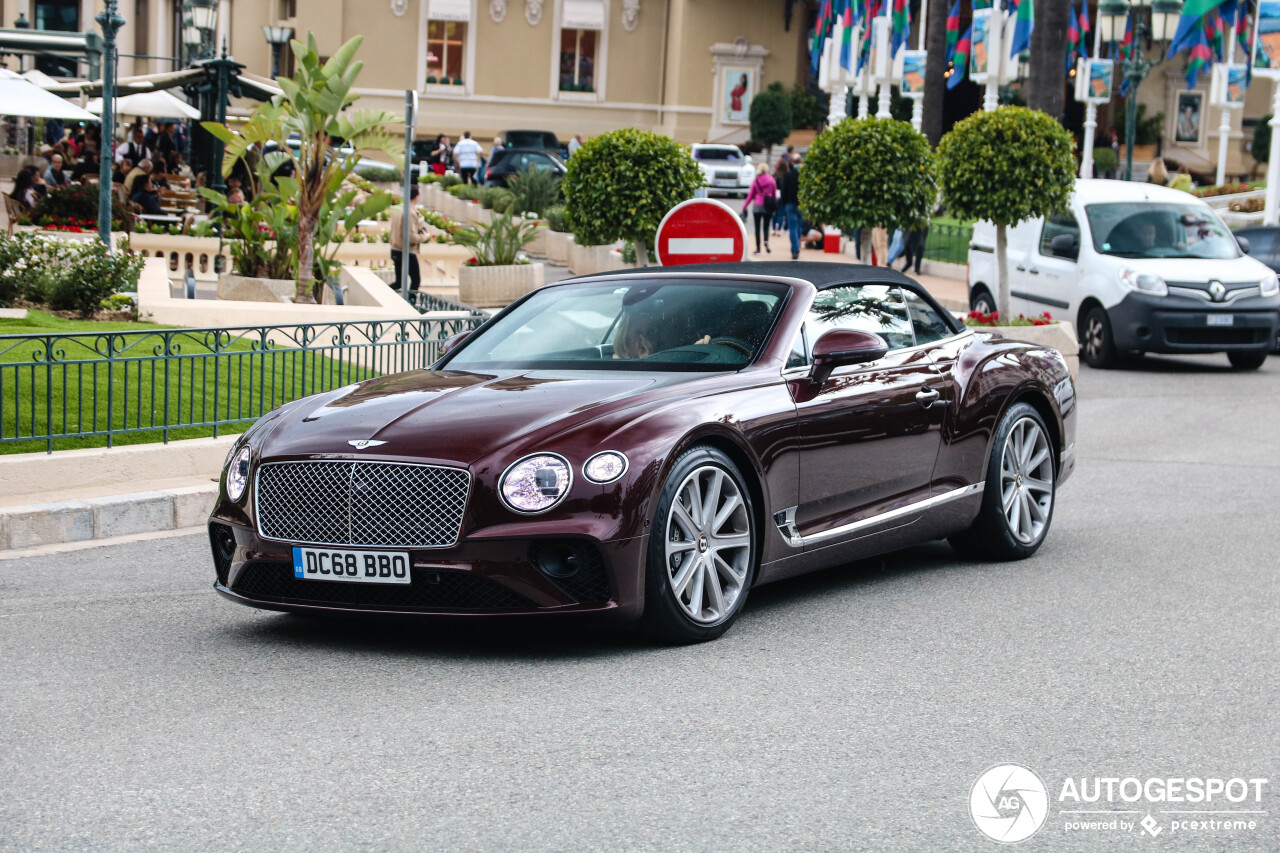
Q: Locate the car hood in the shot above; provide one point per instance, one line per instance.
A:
(1231, 271)
(454, 416)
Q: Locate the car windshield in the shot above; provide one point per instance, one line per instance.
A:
(531, 139)
(1159, 230)
(718, 152)
(635, 324)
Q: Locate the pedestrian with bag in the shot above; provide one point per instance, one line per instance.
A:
(789, 201)
(416, 235)
(762, 198)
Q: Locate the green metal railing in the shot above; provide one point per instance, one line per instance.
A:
(948, 244)
(77, 390)
(425, 302)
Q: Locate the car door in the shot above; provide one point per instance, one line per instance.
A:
(1024, 273)
(869, 435)
(1054, 274)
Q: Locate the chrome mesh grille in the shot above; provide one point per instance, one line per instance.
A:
(384, 504)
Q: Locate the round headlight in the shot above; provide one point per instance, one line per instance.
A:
(238, 475)
(605, 467)
(1269, 286)
(536, 483)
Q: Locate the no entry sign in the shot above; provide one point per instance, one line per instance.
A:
(701, 231)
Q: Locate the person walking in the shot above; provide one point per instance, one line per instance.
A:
(780, 216)
(416, 234)
(762, 198)
(466, 154)
(575, 144)
(789, 200)
(913, 248)
(440, 155)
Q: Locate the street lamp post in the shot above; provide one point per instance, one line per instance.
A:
(110, 21)
(1112, 16)
(277, 37)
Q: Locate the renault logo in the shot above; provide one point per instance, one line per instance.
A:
(1217, 290)
(362, 443)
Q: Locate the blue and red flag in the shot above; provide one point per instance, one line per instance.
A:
(1084, 28)
(960, 58)
(1200, 56)
(846, 35)
(1190, 27)
(1024, 21)
(1126, 47)
(1074, 38)
(900, 24)
(953, 29)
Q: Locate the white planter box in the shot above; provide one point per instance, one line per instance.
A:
(557, 247)
(495, 287)
(538, 245)
(1059, 336)
(480, 216)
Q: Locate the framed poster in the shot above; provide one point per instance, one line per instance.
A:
(914, 63)
(1266, 39)
(1094, 80)
(980, 45)
(739, 87)
(1188, 118)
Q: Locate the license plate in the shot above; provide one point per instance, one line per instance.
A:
(328, 564)
(1221, 319)
(726, 183)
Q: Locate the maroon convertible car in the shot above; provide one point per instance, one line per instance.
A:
(651, 445)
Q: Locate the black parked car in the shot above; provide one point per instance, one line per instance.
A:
(1262, 242)
(541, 140)
(503, 165)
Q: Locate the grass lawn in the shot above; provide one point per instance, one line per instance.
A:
(83, 392)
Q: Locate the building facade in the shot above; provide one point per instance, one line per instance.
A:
(687, 68)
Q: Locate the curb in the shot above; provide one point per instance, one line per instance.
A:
(35, 525)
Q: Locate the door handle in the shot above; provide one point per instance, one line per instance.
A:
(926, 397)
(1034, 271)
(1020, 268)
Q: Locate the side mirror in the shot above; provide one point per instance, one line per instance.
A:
(451, 342)
(1065, 246)
(840, 347)
(1244, 244)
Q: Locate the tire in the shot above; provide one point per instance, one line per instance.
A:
(994, 535)
(982, 300)
(683, 607)
(1246, 360)
(1097, 346)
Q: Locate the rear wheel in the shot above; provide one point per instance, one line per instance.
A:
(981, 300)
(1246, 360)
(702, 551)
(1017, 500)
(1097, 346)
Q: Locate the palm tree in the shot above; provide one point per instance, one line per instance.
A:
(314, 106)
(1047, 83)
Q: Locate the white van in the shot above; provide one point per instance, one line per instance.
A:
(1138, 268)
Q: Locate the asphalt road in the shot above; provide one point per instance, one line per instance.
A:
(851, 710)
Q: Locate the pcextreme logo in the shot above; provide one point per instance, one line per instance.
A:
(1010, 803)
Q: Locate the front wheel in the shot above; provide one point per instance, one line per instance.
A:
(1246, 360)
(1019, 491)
(1097, 346)
(702, 551)
(982, 301)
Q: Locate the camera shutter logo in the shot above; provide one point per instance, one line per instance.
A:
(1008, 803)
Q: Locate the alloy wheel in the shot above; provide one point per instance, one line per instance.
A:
(1094, 334)
(708, 545)
(1026, 481)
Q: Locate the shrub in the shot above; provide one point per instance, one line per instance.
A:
(499, 243)
(557, 219)
(868, 173)
(621, 183)
(1105, 160)
(771, 120)
(449, 180)
(380, 172)
(1006, 166)
(534, 190)
(77, 205)
(1260, 145)
(806, 109)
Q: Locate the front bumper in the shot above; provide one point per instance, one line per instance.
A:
(1174, 324)
(474, 578)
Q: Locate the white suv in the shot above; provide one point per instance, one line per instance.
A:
(1138, 268)
(727, 169)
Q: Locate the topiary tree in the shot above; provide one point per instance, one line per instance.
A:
(620, 184)
(770, 115)
(1260, 147)
(1006, 166)
(869, 173)
(1105, 160)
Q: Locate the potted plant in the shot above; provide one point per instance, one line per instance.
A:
(1006, 166)
(497, 273)
(1043, 330)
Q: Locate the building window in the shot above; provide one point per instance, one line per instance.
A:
(578, 60)
(140, 26)
(62, 16)
(288, 9)
(446, 46)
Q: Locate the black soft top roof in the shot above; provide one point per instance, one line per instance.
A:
(818, 273)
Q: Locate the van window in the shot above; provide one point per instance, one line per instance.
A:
(1055, 225)
(1150, 229)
